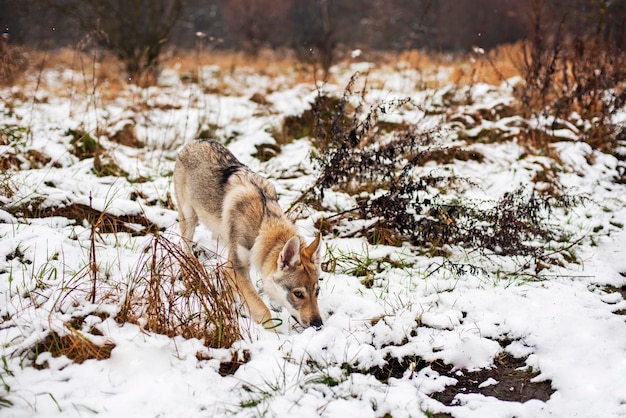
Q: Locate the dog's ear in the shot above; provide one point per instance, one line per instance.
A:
(290, 255)
(314, 250)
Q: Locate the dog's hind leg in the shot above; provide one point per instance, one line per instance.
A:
(187, 221)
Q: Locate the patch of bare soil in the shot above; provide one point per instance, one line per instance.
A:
(396, 367)
(228, 367)
(621, 291)
(511, 380)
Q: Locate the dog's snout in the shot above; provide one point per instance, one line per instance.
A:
(317, 323)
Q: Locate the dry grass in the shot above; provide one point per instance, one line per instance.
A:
(267, 62)
(92, 71)
(491, 67)
(174, 294)
(96, 64)
(13, 63)
(73, 345)
(99, 70)
(575, 80)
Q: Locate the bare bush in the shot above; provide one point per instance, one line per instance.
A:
(573, 74)
(376, 164)
(317, 38)
(135, 30)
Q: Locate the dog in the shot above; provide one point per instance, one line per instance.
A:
(239, 206)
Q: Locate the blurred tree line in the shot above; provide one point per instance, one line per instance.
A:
(319, 30)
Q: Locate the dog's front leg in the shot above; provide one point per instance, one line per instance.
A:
(240, 279)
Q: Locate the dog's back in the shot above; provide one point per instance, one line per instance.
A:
(208, 176)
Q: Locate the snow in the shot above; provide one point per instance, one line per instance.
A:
(489, 382)
(566, 323)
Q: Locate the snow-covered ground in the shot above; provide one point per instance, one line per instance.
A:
(566, 321)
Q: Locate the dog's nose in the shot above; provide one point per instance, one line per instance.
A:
(317, 323)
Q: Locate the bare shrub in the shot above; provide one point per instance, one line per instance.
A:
(318, 37)
(135, 30)
(174, 294)
(573, 74)
(396, 204)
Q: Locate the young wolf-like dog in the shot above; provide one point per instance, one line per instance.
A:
(241, 207)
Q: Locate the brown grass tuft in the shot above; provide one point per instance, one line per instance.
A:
(491, 67)
(13, 62)
(127, 136)
(174, 294)
(267, 62)
(75, 346)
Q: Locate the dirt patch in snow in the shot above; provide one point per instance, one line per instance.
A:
(621, 291)
(510, 379)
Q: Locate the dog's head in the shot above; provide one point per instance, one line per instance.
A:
(295, 282)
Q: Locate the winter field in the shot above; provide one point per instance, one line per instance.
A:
(502, 295)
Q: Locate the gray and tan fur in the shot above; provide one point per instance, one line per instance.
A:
(241, 207)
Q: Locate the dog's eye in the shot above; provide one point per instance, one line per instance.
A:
(317, 292)
(298, 294)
